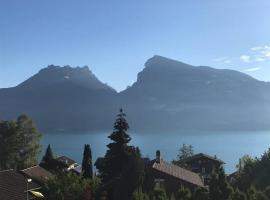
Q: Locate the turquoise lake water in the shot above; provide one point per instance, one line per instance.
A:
(228, 146)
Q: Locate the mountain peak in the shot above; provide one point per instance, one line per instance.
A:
(56, 75)
(158, 60)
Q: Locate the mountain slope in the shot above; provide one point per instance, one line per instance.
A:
(60, 98)
(175, 95)
(167, 96)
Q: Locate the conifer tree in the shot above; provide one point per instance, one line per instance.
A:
(121, 170)
(87, 168)
(48, 157)
(219, 188)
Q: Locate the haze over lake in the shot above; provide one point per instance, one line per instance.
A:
(228, 146)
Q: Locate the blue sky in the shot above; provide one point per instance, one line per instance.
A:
(115, 38)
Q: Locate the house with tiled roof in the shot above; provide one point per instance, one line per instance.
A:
(37, 173)
(65, 163)
(15, 186)
(170, 176)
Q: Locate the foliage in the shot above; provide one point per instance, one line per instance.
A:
(139, 195)
(71, 186)
(183, 194)
(19, 144)
(122, 169)
(200, 194)
(254, 171)
(48, 155)
(238, 195)
(159, 194)
(87, 168)
(185, 152)
(219, 188)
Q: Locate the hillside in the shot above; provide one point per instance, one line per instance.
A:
(168, 95)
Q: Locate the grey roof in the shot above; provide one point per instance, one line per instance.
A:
(65, 160)
(37, 172)
(13, 186)
(200, 155)
(178, 172)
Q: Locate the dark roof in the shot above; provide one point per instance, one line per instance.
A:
(65, 160)
(13, 186)
(178, 172)
(37, 172)
(202, 155)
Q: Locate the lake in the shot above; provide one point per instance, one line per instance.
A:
(228, 146)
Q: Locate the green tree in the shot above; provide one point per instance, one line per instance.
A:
(185, 152)
(48, 161)
(159, 194)
(30, 142)
(121, 170)
(200, 194)
(219, 188)
(183, 194)
(8, 145)
(67, 186)
(267, 191)
(254, 194)
(87, 168)
(238, 195)
(19, 144)
(48, 157)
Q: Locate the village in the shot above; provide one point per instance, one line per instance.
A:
(198, 169)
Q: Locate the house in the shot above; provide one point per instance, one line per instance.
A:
(65, 163)
(15, 186)
(37, 173)
(203, 164)
(170, 176)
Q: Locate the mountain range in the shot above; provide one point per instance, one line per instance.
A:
(168, 96)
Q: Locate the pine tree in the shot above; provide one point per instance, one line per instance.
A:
(48, 157)
(87, 168)
(117, 153)
(121, 170)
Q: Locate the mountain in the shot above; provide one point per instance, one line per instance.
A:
(60, 98)
(168, 96)
(171, 95)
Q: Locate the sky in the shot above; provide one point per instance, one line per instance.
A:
(115, 38)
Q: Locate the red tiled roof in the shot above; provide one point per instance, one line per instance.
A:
(178, 172)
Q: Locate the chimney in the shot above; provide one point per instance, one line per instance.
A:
(158, 159)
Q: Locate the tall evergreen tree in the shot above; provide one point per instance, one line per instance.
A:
(121, 162)
(87, 168)
(48, 157)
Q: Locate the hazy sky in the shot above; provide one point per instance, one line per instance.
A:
(115, 38)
